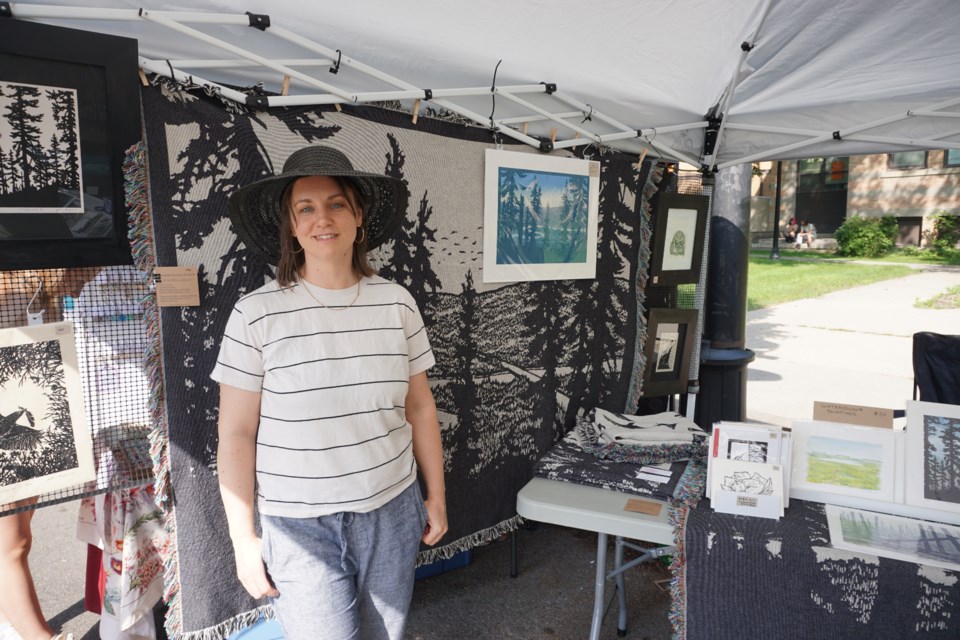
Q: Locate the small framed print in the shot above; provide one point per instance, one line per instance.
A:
(668, 348)
(933, 456)
(678, 238)
(833, 460)
(540, 216)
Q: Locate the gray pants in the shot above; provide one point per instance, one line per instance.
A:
(346, 575)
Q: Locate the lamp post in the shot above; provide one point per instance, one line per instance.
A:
(775, 250)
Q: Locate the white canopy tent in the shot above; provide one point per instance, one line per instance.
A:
(714, 83)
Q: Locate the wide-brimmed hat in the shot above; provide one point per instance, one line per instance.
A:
(255, 208)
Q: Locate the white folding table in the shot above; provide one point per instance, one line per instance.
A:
(600, 510)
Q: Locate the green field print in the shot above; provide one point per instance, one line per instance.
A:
(844, 463)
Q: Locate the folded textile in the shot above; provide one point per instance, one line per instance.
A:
(640, 439)
(568, 462)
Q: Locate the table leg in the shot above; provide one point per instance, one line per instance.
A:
(621, 591)
(599, 586)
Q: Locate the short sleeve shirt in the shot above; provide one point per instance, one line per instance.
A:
(333, 379)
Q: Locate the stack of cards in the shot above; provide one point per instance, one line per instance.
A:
(748, 469)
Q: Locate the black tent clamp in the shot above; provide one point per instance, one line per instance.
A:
(258, 20)
(6, 11)
(836, 135)
(257, 102)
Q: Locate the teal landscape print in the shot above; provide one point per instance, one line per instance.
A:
(844, 463)
(541, 217)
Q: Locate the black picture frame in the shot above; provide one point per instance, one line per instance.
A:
(102, 71)
(673, 226)
(668, 348)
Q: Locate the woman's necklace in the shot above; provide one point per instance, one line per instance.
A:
(307, 288)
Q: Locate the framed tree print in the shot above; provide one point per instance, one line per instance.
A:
(668, 348)
(69, 110)
(933, 456)
(678, 238)
(539, 217)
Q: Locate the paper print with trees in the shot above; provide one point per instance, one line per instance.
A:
(541, 217)
(941, 469)
(39, 149)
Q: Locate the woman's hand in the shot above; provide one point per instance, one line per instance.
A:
(250, 568)
(436, 521)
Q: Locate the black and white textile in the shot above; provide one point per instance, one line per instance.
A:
(650, 439)
(515, 362)
(756, 579)
(567, 461)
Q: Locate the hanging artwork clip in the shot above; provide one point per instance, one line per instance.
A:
(34, 318)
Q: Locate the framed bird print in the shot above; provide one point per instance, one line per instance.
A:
(45, 445)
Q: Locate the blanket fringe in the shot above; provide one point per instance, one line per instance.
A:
(229, 627)
(140, 233)
(687, 496)
(643, 274)
(469, 542)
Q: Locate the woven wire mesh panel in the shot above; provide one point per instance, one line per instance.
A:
(693, 296)
(104, 306)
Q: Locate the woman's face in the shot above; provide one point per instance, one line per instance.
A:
(323, 219)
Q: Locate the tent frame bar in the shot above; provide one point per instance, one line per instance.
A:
(399, 89)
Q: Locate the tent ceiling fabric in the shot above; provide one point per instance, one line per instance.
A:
(816, 67)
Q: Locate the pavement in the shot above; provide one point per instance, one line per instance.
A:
(852, 346)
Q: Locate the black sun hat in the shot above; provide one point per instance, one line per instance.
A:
(255, 208)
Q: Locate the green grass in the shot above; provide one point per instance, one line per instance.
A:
(901, 256)
(949, 299)
(863, 475)
(771, 282)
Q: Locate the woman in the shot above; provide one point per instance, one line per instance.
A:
(325, 409)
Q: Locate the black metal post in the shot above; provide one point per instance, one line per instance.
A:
(724, 358)
(775, 250)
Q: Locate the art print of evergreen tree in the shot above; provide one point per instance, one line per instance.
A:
(544, 319)
(67, 146)
(509, 194)
(463, 385)
(410, 264)
(23, 118)
(942, 458)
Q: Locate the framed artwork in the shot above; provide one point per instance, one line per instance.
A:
(896, 537)
(832, 459)
(45, 444)
(668, 347)
(539, 217)
(678, 237)
(933, 455)
(69, 110)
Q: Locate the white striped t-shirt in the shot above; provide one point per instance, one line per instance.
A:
(333, 382)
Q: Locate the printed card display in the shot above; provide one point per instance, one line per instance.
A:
(747, 488)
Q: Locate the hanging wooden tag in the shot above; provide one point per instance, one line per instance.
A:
(285, 90)
(416, 110)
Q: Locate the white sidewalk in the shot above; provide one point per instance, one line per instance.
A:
(852, 346)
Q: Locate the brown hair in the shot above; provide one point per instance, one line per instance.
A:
(291, 253)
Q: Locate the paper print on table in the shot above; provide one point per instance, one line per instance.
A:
(747, 488)
(540, 217)
(933, 455)
(841, 459)
(41, 167)
(44, 441)
(896, 537)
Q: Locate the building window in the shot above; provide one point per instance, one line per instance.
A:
(908, 160)
(951, 158)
